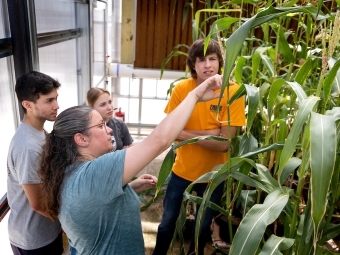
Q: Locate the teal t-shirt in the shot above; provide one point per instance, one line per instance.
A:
(98, 215)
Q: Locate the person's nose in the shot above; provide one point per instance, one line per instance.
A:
(207, 63)
(56, 105)
(108, 130)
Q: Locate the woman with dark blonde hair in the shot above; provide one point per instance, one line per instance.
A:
(87, 187)
(100, 100)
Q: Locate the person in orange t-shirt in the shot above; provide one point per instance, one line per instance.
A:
(194, 160)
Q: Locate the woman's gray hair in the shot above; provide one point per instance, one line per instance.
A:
(72, 121)
(60, 152)
(68, 123)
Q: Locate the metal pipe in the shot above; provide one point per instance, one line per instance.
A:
(117, 70)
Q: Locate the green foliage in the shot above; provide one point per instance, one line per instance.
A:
(283, 179)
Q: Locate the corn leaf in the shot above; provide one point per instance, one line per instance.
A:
(253, 225)
(304, 110)
(301, 94)
(275, 244)
(273, 92)
(303, 72)
(253, 102)
(246, 200)
(332, 81)
(322, 157)
(165, 170)
(291, 165)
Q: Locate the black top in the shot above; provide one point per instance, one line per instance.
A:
(120, 132)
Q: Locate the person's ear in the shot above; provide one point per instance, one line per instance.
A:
(27, 105)
(80, 140)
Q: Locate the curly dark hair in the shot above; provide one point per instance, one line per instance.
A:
(60, 152)
(197, 51)
(29, 86)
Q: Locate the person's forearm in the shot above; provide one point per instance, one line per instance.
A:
(206, 144)
(133, 186)
(188, 134)
(44, 214)
(213, 145)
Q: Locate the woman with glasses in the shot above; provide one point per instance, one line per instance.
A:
(100, 100)
(86, 186)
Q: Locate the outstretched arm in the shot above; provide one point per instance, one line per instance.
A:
(139, 155)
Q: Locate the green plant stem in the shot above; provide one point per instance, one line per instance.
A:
(329, 215)
(229, 181)
(297, 201)
(335, 196)
(320, 85)
(290, 70)
(266, 159)
(277, 45)
(229, 209)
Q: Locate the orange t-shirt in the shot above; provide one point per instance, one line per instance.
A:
(192, 160)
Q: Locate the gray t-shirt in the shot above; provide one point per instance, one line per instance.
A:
(27, 229)
(98, 215)
(120, 132)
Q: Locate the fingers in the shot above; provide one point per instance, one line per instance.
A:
(150, 178)
(217, 80)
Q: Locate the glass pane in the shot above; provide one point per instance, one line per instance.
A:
(129, 87)
(54, 15)
(149, 87)
(99, 51)
(153, 111)
(162, 88)
(4, 23)
(130, 108)
(99, 35)
(59, 62)
(134, 87)
(124, 86)
(132, 111)
(7, 118)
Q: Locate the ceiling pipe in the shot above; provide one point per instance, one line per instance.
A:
(118, 70)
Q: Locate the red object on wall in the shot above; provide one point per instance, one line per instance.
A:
(120, 114)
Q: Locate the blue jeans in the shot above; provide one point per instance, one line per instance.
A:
(171, 209)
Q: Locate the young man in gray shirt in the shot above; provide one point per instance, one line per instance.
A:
(30, 231)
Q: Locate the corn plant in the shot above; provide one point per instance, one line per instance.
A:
(283, 179)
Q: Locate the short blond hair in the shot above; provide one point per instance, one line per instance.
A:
(93, 94)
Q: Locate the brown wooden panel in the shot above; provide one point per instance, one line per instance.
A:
(161, 32)
(149, 35)
(141, 30)
(145, 33)
(172, 18)
(178, 63)
(159, 29)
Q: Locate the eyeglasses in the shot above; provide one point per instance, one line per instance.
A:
(102, 124)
